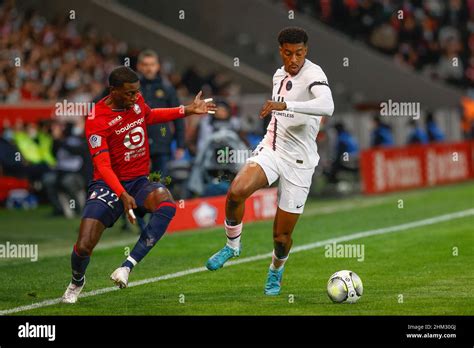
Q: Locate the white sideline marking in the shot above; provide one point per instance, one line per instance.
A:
(358, 235)
(313, 211)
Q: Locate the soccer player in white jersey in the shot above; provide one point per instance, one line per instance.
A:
(288, 153)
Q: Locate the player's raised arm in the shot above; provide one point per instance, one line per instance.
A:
(197, 107)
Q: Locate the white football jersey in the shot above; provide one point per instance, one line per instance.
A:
(291, 134)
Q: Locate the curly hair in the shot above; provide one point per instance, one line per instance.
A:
(293, 35)
(121, 75)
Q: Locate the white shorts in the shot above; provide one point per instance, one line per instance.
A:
(294, 184)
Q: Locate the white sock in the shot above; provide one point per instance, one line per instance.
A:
(280, 261)
(233, 234)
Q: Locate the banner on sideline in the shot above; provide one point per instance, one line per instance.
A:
(401, 168)
(210, 211)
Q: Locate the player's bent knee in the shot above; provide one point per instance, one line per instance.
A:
(168, 205)
(282, 238)
(239, 191)
(83, 248)
(158, 196)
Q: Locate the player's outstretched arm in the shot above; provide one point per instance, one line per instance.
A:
(197, 107)
(321, 105)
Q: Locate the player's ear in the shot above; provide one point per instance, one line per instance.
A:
(113, 90)
(280, 49)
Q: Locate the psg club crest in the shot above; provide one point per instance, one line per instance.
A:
(289, 85)
(137, 109)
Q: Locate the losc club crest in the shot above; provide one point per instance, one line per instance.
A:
(137, 109)
(205, 215)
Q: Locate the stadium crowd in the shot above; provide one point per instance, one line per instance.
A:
(435, 37)
(44, 59)
(52, 60)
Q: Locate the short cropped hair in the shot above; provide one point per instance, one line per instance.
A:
(293, 35)
(121, 75)
(147, 53)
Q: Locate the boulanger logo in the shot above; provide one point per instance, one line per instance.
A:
(135, 138)
(130, 125)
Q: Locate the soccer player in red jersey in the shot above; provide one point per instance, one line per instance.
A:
(118, 143)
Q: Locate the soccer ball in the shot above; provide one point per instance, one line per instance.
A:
(345, 287)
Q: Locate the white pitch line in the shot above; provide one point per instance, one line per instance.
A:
(358, 235)
(312, 211)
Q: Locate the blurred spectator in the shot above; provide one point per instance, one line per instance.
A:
(467, 124)
(11, 163)
(159, 93)
(66, 184)
(435, 134)
(381, 134)
(347, 153)
(416, 134)
(36, 148)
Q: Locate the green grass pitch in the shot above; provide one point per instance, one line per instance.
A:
(425, 270)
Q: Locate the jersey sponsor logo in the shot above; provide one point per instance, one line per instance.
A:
(288, 114)
(115, 120)
(95, 141)
(135, 138)
(130, 125)
(137, 109)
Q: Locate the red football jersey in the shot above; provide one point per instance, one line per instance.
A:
(123, 134)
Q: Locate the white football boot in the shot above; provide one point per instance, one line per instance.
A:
(72, 292)
(120, 277)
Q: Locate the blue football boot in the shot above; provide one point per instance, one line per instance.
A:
(273, 284)
(217, 260)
